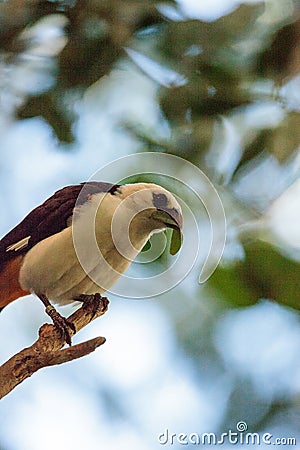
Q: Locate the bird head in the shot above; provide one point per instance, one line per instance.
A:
(153, 209)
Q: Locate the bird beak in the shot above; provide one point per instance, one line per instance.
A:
(171, 218)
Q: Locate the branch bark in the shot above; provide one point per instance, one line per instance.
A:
(47, 350)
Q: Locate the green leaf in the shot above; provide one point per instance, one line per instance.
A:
(265, 273)
(146, 247)
(176, 242)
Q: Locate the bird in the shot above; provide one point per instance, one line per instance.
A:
(75, 245)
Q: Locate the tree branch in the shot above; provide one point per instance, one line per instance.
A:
(46, 351)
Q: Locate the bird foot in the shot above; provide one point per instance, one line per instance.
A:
(93, 303)
(63, 325)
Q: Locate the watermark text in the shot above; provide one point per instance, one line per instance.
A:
(240, 435)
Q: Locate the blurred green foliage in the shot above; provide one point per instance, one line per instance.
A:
(96, 35)
(263, 273)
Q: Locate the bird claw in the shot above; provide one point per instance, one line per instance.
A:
(93, 303)
(63, 325)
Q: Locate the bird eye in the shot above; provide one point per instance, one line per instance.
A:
(160, 201)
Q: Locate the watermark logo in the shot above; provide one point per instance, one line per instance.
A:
(241, 426)
(197, 198)
(240, 435)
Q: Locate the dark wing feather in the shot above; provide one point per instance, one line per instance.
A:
(50, 218)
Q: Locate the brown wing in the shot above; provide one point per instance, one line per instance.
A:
(47, 219)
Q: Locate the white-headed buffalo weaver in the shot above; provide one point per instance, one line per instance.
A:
(39, 256)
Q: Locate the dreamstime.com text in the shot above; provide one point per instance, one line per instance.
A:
(239, 436)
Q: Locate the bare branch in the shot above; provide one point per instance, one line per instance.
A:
(46, 351)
